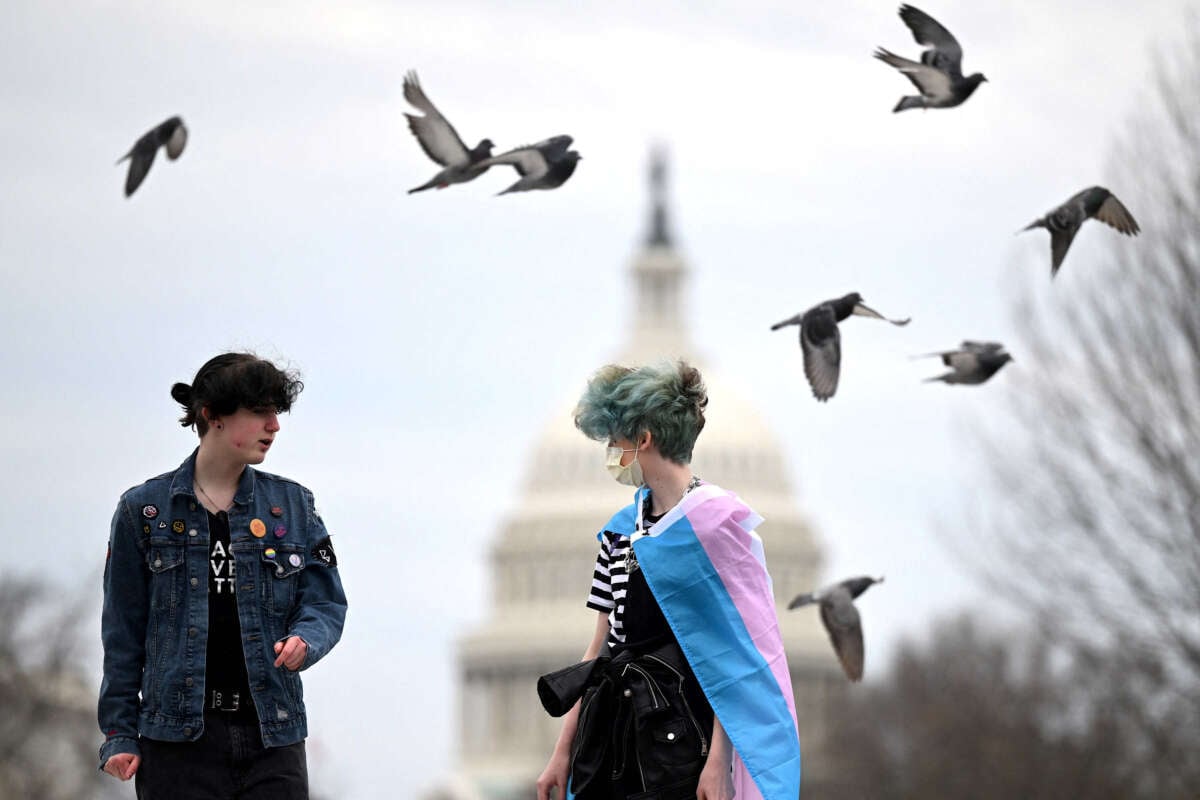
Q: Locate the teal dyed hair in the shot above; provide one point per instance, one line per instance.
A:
(668, 400)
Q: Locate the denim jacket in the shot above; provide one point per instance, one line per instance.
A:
(155, 620)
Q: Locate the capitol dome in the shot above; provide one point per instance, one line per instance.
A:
(542, 556)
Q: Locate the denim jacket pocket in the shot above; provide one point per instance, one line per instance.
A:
(283, 568)
(167, 577)
(163, 560)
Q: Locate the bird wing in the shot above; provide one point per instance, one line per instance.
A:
(528, 160)
(801, 600)
(555, 147)
(931, 33)
(961, 361)
(177, 142)
(140, 161)
(821, 343)
(434, 132)
(844, 626)
(796, 320)
(981, 347)
(1114, 214)
(1060, 242)
(931, 82)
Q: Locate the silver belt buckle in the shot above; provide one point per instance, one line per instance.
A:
(222, 701)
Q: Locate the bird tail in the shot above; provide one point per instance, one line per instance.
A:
(1037, 223)
(942, 378)
(909, 101)
(789, 321)
(125, 157)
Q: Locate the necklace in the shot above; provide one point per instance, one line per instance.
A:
(211, 502)
(692, 484)
(631, 562)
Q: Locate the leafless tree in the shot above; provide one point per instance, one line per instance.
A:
(48, 736)
(973, 714)
(1094, 464)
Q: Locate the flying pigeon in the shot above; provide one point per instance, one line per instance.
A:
(821, 342)
(545, 165)
(972, 363)
(440, 141)
(938, 75)
(1064, 222)
(171, 134)
(841, 620)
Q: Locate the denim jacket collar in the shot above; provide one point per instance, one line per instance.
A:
(185, 477)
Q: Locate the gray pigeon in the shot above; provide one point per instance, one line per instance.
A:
(545, 165)
(1064, 222)
(938, 75)
(841, 620)
(441, 142)
(973, 363)
(821, 342)
(170, 134)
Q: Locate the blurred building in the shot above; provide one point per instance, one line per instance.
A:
(542, 557)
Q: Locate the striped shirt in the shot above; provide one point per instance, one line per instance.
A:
(610, 583)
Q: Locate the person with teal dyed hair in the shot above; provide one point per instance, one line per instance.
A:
(685, 613)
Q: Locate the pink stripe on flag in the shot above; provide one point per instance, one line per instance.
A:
(730, 549)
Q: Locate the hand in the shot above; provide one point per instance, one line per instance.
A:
(291, 651)
(716, 782)
(122, 765)
(555, 774)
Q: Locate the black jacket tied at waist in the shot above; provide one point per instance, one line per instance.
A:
(635, 715)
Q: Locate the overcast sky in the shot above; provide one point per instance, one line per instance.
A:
(437, 332)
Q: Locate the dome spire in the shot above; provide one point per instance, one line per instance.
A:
(659, 236)
(658, 278)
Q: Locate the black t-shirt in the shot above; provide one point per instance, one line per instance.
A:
(645, 626)
(224, 663)
(647, 629)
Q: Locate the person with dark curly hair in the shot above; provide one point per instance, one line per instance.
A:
(684, 690)
(220, 586)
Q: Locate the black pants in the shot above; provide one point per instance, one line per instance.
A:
(228, 762)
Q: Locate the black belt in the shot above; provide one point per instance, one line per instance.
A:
(229, 700)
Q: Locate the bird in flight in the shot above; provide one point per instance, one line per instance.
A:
(972, 363)
(545, 165)
(841, 619)
(1065, 221)
(170, 134)
(821, 342)
(938, 75)
(441, 142)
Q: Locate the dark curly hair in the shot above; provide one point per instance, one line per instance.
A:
(235, 380)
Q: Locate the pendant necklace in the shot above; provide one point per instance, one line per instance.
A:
(211, 502)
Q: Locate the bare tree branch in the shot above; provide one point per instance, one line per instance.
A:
(1095, 525)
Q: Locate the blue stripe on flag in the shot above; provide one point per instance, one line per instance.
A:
(735, 677)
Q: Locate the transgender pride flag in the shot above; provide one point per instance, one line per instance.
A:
(705, 565)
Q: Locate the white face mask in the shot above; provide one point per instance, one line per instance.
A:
(631, 473)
